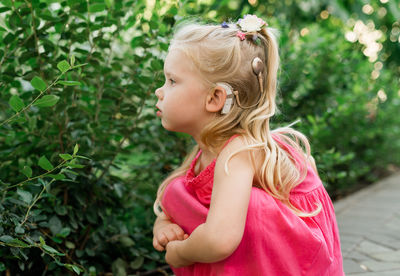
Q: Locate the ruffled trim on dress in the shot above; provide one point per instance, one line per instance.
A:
(201, 185)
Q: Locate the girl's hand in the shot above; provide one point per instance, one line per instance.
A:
(167, 233)
(173, 258)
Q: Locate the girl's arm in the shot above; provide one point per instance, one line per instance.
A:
(222, 232)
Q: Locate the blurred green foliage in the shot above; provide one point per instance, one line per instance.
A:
(80, 75)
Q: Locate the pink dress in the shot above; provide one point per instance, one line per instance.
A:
(275, 240)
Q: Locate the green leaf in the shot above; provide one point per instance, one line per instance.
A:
(55, 225)
(126, 241)
(153, 24)
(69, 245)
(79, 253)
(119, 267)
(92, 271)
(60, 210)
(42, 182)
(4, 9)
(6, 238)
(27, 171)
(19, 230)
(64, 232)
(156, 65)
(29, 240)
(69, 171)
(76, 148)
(38, 84)
(72, 60)
(47, 100)
(65, 156)
(72, 165)
(9, 38)
(7, 3)
(63, 66)
(2, 266)
(57, 239)
(51, 250)
(17, 242)
(109, 3)
(76, 269)
(98, 7)
(44, 163)
(69, 83)
(83, 157)
(59, 176)
(173, 10)
(42, 242)
(16, 103)
(18, 120)
(25, 195)
(137, 263)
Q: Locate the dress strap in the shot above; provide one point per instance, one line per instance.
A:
(200, 151)
(230, 139)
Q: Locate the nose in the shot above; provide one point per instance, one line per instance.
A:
(159, 93)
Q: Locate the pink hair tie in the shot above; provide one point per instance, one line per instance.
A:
(241, 35)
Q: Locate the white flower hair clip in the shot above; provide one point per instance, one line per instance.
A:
(251, 23)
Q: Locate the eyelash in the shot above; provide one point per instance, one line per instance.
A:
(171, 80)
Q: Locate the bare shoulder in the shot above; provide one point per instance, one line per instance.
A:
(237, 153)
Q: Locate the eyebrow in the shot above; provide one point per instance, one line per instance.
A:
(169, 73)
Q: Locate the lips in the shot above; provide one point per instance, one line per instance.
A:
(158, 111)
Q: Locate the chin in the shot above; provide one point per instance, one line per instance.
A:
(171, 128)
(166, 126)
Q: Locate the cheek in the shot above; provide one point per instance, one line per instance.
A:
(169, 101)
(174, 99)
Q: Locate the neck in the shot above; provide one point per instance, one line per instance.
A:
(205, 151)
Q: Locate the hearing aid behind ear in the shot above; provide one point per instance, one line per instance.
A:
(229, 97)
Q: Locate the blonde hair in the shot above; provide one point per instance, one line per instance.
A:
(220, 56)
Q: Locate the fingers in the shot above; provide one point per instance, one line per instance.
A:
(172, 233)
(179, 233)
(157, 245)
(163, 239)
(169, 233)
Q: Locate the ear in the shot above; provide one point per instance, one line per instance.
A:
(216, 99)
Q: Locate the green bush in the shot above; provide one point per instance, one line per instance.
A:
(82, 152)
(88, 215)
(348, 116)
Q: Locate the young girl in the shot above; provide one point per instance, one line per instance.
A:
(247, 200)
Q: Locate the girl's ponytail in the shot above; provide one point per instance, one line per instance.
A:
(272, 65)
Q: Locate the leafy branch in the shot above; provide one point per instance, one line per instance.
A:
(36, 177)
(49, 100)
(45, 164)
(39, 196)
(9, 241)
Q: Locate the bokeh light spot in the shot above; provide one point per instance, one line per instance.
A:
(324, 14)
(367, 9)
(304, 32)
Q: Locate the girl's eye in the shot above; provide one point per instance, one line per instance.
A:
(172, 81)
